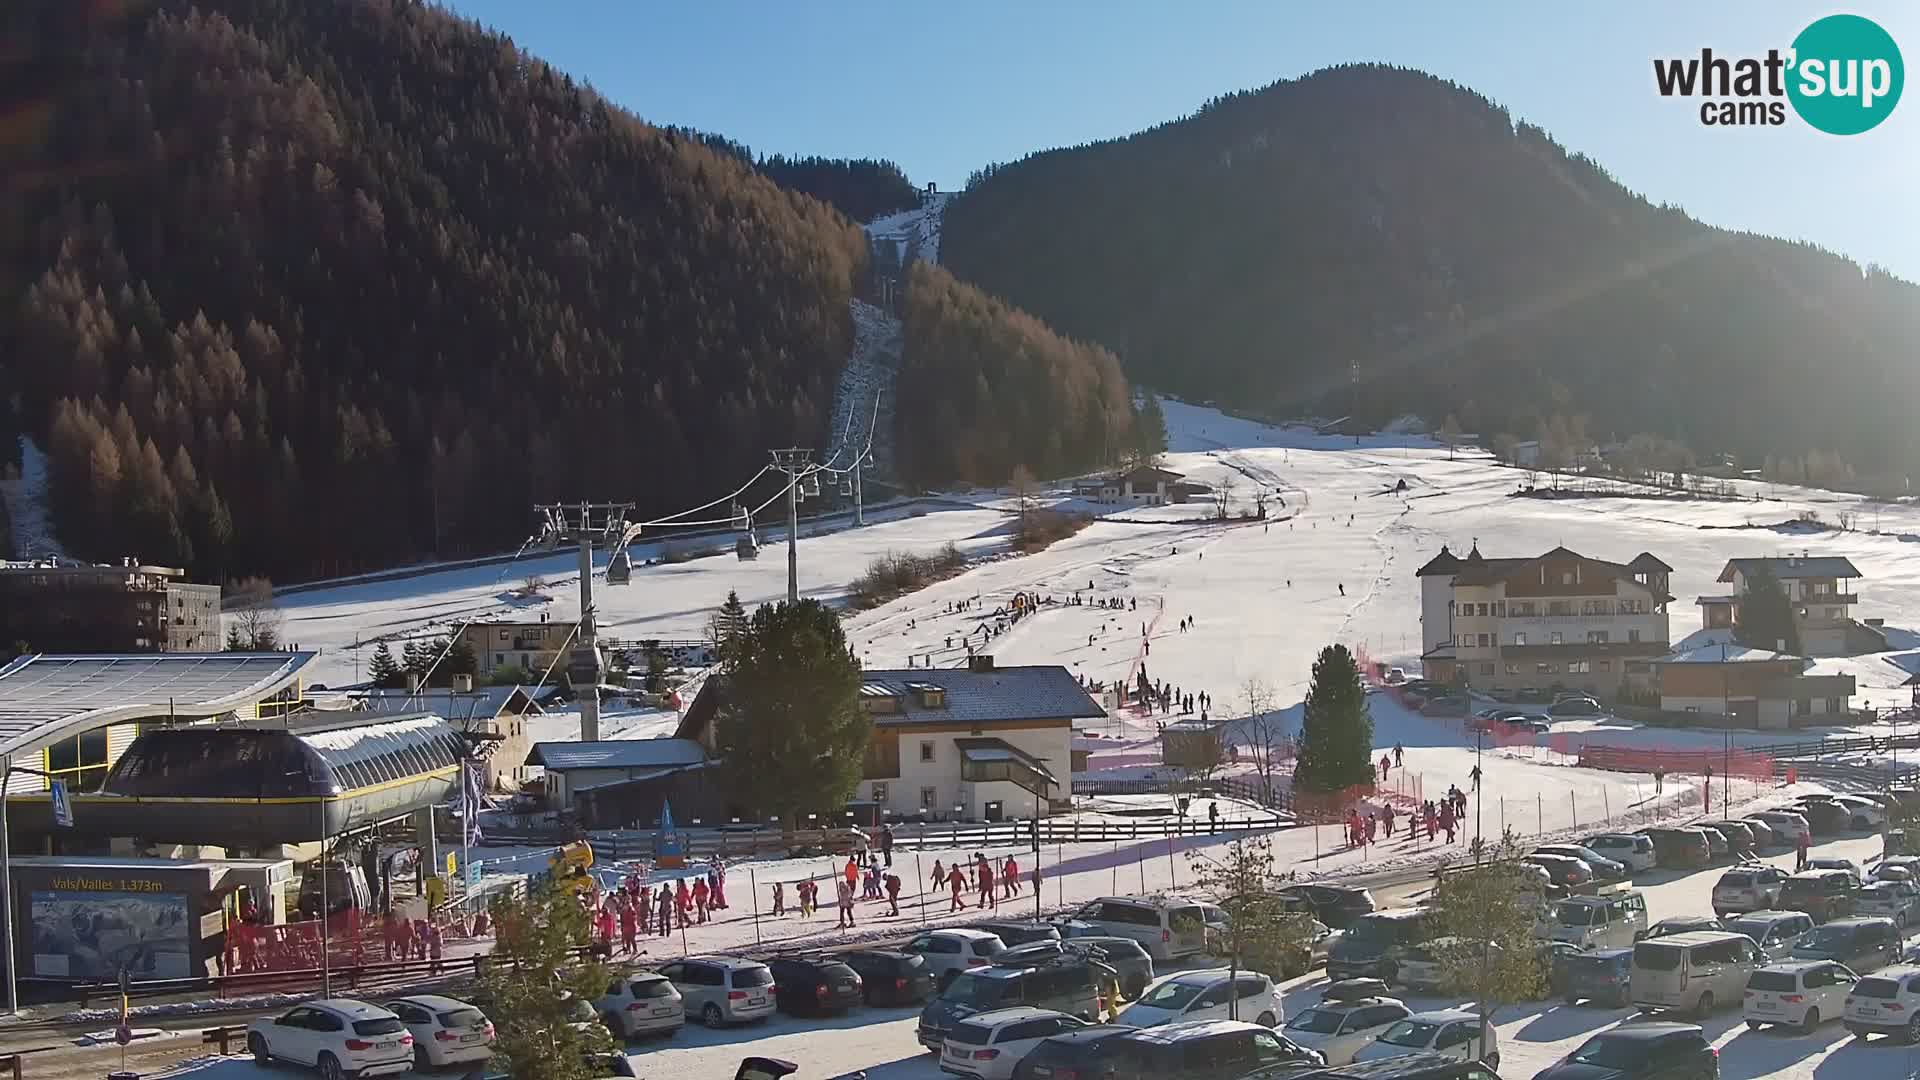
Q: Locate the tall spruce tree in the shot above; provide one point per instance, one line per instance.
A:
(1766, 614)
(383, 672)
(793, 734)
(1150, 428)
(1336, 731)
(726, 626)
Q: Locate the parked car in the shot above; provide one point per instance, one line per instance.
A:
(1896, 900)
(1823, 894)
(1336, 905)
(1830, 862)
(1168, 929)
(990, 1045)
(1600, 976)
(1129, 960)
(1446, 705)
(1608, 920)
(815, 985)
(1455, 1033)
(1208, 1050)
(1532, 694)
(1421, 1066)
(1605, 871)
(1825, 818)
(1763, 834)
(1896, 868)
(643, 1003)
(1020, 933)
(1862, 813)
(1423, 967)
(1748, 887)
(1680, 924)
(1789, 826)
(1373, 944)
(1207, 994)
(949, 953)
(1641, 1051)
(1634, 849)
(1576, 706)
(1566, 875)
(338, 1037)
(1350, 1015)
(1067, 985)
(1800, 992)
(1319, 941)
(1776, 932)
(1862, 944)
(446, 1031)
(722, 989)
(1684, 848)
(1717, 845)
(888, 977)
(1695, 972)
(1886, 1002)
(1738, 834)
(1085, 1053)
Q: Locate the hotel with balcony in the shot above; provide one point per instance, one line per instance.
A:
(1820, 588)
(1560, 620)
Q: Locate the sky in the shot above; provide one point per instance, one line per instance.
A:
(944, 89)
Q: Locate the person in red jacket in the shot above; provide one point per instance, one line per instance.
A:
(956, 881)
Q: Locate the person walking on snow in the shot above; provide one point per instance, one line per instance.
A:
(1659, 780)
(1399, 755)
(1384, 763)
(779, 898)
(1213, 817)
(700, 894)
(845, 889)
(1010, 878)
(1386, 819)
(1343, 588)
(957, 882)
(1799, 852)
(893, 893)
(1474, 777)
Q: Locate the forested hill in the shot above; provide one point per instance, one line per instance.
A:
(1374, 240)
(307, 286)
(861, 188)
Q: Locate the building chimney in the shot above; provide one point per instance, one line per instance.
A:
(980, 662)
(463, 683)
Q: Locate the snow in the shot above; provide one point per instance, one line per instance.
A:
(26, 499)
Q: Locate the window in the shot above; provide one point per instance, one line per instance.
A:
(926, 750)
(1638, 667)
(1543, 669)
(503, 635)
(1633, 635)
(1556, 638)
(79, 762)
(1559, 607)
(1483, 640)
(1499, 608)
(1596, 637)
(1486, 669)
(1604, 665)
(1513, 669)
(879, 792)
(929, 798)
(1519, 638)
(1578, 667)
(1482, 607)
(1566, 578)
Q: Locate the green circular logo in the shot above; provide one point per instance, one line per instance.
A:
(1846, 75)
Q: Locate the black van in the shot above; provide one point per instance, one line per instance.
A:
(1425, 1065)
(1861, 944)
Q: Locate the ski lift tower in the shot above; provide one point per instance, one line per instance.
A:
(584, 524)
(803, 479)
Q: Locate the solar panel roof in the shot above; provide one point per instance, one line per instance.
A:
(43, 698)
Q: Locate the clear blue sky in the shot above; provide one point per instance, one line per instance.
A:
(945, 88)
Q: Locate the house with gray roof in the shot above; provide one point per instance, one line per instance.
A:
(1821, 590)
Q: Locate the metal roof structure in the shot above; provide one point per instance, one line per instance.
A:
(44, 698)
(1792, 567)
(1040, 692)
(617, 754)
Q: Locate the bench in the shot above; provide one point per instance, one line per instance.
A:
(223, 1037)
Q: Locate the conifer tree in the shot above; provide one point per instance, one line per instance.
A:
(726, 626)
(1336, 731)
(1766, 614)
(382, 672)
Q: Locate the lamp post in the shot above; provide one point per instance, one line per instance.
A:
(6, 877)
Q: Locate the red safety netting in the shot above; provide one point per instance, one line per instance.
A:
(1678, 760)
(350, 938)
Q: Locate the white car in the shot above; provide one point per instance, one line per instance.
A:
(1896, 900)
(1206, 995)
(950, 952)
(1631, 849)
(1897, 868)
(1789, 827)
(446, 1031)
(1452, 1032)
(990, 1045)
(339, 1037)
(1828, 862)
(643, 1003)
(1886, 1002)
(1799, 992)
(1338, 1027)
(1862, 814)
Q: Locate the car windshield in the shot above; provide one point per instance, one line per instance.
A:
(1575, 914)
(1610, 1053)
(970, 989)
(1410, 1033)
(1656, 957)
(1773, 980)
(1826, 937)
(384, 1026)
(1172, 995)
(1316, 1021)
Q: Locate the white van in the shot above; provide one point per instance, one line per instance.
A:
(1609, 921)
(1697, 971)
(1167, 929)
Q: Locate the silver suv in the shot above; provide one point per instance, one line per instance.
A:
(1748, 887)
(722, 989)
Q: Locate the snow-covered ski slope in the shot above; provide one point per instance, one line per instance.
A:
(1264, 596)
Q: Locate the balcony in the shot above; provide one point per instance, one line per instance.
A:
(1837, 599)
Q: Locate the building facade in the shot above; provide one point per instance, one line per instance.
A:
(120, 608)
(1560, 620)
(1755, 688)
(1821, 590)
(529, 646)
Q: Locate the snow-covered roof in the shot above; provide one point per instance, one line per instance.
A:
(1040, 692)
(44, 698)
(1727, 654)
(617, 754)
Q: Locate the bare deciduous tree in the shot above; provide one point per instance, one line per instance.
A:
(1223, 497)
(1262, 734)
(254, 619)
(1024, 490)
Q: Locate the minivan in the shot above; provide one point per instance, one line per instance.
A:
(1695, 971)
(722, 989)
(1823, 894)
(1599, 922)
(1066, 984)
(1776, 932)
(1685, 848)
(1862, 944)
(1167, 929)
(1372, 946)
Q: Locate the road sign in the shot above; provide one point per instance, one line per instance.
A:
(453, 864)
(62, 808)
(473, 874)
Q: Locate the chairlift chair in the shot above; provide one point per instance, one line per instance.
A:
(846, 489)
(746, 547)
(619, 568)
(810, 487)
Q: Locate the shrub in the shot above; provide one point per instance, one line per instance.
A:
(1039, 529)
